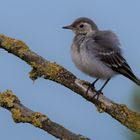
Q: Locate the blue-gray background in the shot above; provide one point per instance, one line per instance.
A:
(38, 23)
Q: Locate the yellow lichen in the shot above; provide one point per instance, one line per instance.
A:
(16, 114)
(52, 70)
(18, 117)
(101, 108)
(6, 41)
(13, 44)
(37, 71)
(33, 74)
(8, 98)
(33, 64)
(38, 118)
(129, 118)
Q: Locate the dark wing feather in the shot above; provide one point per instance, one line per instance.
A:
(108, 51)
(117, 63)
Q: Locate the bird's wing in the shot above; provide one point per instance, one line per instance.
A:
(107, 50)
(117, 63)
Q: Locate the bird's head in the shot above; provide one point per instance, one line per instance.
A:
(82, 25)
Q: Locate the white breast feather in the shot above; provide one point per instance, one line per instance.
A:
(89, 64)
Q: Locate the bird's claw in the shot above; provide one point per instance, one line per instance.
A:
(97, 94)
(91, 86)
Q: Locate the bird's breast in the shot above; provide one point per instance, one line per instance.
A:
(88, 63)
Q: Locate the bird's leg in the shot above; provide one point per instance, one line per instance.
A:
(92, 85)
(100, 90)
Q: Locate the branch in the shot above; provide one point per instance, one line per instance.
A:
(20, 113)
(52, 71)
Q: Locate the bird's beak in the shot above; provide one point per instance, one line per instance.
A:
(68, 27)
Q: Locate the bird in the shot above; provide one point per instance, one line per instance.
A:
(97, 53)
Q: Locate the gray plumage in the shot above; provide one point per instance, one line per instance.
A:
(97, 53)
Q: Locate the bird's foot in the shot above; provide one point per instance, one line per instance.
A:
(97, 94)
(91, 86)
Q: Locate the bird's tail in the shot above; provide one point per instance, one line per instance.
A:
(137, 81)
(127, 72)
(134, 79)
(130, 75)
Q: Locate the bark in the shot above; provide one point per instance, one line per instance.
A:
(20, 113)
(52, 71)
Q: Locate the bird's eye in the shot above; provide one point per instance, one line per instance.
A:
(81, 25)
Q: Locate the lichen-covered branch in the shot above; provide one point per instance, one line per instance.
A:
(55, 72)
(20, 113)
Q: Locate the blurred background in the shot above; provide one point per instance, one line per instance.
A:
(39, 24)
